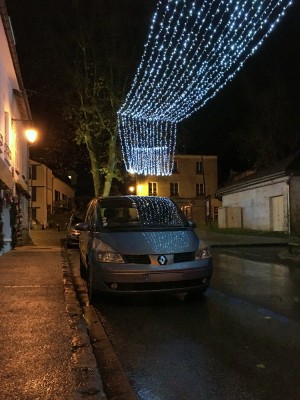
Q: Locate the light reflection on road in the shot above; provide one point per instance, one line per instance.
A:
(232, 344)
(274, 285)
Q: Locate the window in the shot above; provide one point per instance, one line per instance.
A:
(64, 200)
(199, 167)
(199, 189)
(152, 188)
(6, 128)
(93, 216)
(33, 193)
(56, 195)
(174, 189)
(175, 168)
(33, 213)
(7, 150)
(32, 172)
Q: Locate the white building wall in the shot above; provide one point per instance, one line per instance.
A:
(46, 185)
(13, 144)
(255, 204)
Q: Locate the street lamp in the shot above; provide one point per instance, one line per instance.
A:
(131, 189)
(31, 135)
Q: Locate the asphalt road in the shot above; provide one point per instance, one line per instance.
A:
(240, 342)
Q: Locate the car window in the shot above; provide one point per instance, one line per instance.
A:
(134, 211)
(116, 214)
(91, 216)
(157, 211)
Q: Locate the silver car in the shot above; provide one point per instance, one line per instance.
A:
(137, 244)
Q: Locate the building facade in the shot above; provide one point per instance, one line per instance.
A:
(192, 186)
(14, 117)
(50, 196)
(268, 200)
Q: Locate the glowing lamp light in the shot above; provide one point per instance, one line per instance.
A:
(31, 135)
(131, 189)
(194, 48)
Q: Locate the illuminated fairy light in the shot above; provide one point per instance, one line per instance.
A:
(194, 48)
(154, 211)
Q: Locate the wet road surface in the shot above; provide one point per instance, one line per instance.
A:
(241, 341)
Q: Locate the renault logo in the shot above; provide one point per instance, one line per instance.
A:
(162, 260)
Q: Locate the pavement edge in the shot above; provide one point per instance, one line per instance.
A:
(84, 365)
(115, 382)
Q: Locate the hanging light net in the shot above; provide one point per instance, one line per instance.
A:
(193, 49)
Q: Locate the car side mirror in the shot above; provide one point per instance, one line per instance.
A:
(82, 226)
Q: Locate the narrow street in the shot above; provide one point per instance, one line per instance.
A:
(241, 341)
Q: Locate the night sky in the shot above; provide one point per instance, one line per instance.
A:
(219, 128)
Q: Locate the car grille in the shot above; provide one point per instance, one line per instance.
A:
(144, 258)
(137, 259)
(182, 257)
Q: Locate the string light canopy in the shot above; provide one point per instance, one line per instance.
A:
(194, 48)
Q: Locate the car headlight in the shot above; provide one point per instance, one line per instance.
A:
(203, 251)
(74, 232)
(105, 253)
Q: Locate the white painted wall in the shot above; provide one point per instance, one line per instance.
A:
(13, 163)
(255, 203)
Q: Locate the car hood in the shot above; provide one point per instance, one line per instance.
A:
(152, 242)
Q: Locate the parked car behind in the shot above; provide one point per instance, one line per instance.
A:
(137, 244)
(72, 233)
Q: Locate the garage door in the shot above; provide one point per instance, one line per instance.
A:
(277, 220)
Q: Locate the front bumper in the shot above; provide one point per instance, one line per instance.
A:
(179, 279)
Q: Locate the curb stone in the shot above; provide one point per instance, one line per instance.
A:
(85, 370)
(116, 382)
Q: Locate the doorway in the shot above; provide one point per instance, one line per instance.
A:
(277, 214)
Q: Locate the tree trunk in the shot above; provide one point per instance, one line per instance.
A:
(111, 163)
(95, 167)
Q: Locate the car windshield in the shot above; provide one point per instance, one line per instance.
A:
(133, 211)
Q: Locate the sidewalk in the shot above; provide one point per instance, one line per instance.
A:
(215, 239)
(45, 350)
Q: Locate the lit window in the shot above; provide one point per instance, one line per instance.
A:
(152, 187)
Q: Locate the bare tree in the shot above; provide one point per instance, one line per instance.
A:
(108, 40)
